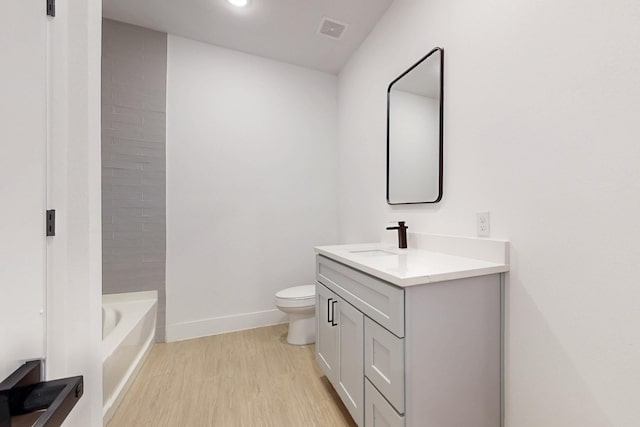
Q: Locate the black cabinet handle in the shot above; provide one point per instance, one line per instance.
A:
(333, 313)
(329, 316)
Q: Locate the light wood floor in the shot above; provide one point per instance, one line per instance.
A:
(249, 378)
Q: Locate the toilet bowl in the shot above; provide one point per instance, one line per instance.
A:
(299, 302)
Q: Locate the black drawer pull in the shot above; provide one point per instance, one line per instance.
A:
(333, 313)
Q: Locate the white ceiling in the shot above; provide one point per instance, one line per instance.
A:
(285, 30)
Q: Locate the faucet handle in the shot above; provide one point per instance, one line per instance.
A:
(401, 224)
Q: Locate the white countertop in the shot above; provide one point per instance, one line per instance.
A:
(416, 266)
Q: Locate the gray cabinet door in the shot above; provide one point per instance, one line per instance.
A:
(379, 412)
(327, 332)
(350, 384)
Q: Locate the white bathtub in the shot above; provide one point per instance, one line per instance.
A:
(128, 333)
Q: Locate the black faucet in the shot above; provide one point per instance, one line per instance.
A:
(402, 234)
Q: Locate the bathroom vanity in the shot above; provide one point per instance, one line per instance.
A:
(413, 337)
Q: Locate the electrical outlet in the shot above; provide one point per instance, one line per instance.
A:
(482, 221)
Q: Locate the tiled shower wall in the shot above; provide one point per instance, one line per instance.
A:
(134, 73)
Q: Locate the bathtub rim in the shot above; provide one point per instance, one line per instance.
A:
(134, 300)
(142, 303)
(129, 296)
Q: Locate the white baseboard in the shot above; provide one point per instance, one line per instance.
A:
(221, 325)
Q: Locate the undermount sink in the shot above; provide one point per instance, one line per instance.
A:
(372, 252)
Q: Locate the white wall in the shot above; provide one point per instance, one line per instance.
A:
(74, 256)
(251, 184)
(541, 129)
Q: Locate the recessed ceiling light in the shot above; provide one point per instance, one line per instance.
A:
(239, 3)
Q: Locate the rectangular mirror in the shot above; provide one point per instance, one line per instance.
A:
(414, 133)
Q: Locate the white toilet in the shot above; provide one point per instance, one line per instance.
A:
(299, 302)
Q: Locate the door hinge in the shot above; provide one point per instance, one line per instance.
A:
(51, 222)
(51, 7)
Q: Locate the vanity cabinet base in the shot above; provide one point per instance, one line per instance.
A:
(440, 368)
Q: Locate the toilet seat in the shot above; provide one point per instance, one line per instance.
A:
(297, 296)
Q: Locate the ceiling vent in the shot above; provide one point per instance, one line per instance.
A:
(332, 28)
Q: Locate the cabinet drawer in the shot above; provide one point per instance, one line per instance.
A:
(376, 298)
(377, 411)
(384, 362)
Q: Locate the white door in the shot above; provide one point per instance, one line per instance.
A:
(23, 88)
(326, 331)
(351, 359)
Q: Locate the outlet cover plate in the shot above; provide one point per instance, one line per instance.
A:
(482, 224)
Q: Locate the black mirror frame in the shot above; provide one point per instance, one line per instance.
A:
(441, 136)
